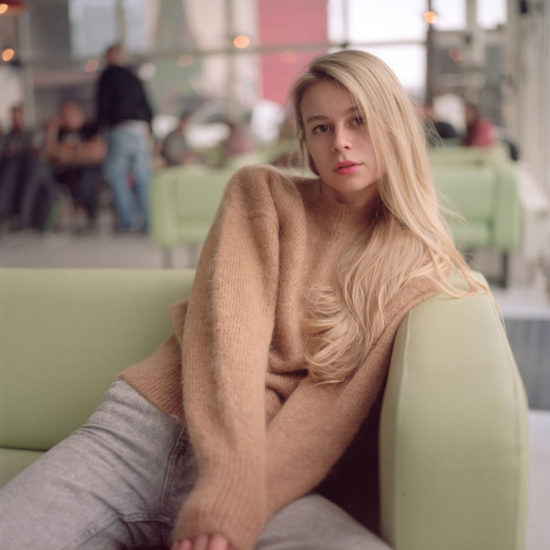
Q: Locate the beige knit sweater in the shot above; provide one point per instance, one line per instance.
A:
(263, 433)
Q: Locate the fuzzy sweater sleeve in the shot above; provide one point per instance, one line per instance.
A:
(318, 421)
(226, 342)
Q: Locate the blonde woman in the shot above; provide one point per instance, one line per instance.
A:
(231, 433)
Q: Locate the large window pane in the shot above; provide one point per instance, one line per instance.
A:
(451, 14)
(491, 13)
(387, 20)
(408, 63)
(93, 26)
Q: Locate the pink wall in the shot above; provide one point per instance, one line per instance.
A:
(288, 22)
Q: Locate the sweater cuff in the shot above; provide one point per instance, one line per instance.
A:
(238, 513)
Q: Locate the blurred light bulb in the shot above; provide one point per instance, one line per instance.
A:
(8, 54)
(430, 17)
(241, 41)
(185, 60)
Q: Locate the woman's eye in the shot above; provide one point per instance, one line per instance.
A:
(358, 121)
(320, 129)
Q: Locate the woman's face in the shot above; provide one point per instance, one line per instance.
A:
(339, 142)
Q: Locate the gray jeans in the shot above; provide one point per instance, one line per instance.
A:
(119, 482)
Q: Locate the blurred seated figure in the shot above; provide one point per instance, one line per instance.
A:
(19, 137)
(27, 192)
(238, 142)
(435, 129)
(287, 151)
(479, 130)
(175, 146)
(75, 152)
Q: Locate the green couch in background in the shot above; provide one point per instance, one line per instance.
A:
(481, 185)
(453, 450)
(184, 201)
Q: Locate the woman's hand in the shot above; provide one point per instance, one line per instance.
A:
(204, 542)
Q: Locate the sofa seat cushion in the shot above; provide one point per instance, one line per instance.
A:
(13, 461)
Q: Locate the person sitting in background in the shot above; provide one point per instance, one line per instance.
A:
(479, 130)
(237, 142)
(27, 192)
(436, 130)
(175, 146)
(75, 152)
(19, 138)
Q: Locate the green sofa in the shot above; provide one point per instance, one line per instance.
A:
(453, 450)
(184, 200)
(482, 187)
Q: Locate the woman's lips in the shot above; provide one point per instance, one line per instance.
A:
(346, 168)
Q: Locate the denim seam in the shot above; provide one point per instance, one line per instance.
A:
(182, 443)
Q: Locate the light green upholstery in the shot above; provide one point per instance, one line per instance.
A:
(453, 425)
(482, 187)
(64, 335)
(184, 201)
(453, 456)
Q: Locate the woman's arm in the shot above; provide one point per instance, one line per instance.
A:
(318, 422)
(226, 341)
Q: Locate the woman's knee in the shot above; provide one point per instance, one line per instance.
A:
(314, 523)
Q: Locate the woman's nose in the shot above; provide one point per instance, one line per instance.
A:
(341, 141)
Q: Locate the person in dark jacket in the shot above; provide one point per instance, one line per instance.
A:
(124, 113)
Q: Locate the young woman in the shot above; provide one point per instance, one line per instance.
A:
(225, 436)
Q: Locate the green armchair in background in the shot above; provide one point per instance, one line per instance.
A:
(482, 187)
(184, 201)
(453, 453)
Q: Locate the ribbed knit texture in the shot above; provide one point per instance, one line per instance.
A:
(263, 433)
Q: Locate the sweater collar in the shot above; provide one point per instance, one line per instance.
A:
(337, 214)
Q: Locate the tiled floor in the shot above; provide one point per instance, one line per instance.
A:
(105, 250)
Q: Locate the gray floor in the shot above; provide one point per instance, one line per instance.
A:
(518, 303)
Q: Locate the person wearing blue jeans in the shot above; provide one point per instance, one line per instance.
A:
(128, 154)
(124, 113)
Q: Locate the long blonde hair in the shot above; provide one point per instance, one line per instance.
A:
(410, 239)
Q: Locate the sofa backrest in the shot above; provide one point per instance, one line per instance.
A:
(64, 336)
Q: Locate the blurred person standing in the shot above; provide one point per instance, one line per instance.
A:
(75, 152)
(123, 110)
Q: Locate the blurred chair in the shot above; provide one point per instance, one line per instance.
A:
(184, 201)
(482, 187)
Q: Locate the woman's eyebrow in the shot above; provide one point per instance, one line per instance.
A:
(313, 118)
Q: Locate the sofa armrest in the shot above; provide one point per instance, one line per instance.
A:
(453, 432)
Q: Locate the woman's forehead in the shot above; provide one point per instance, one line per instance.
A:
(327, 98)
